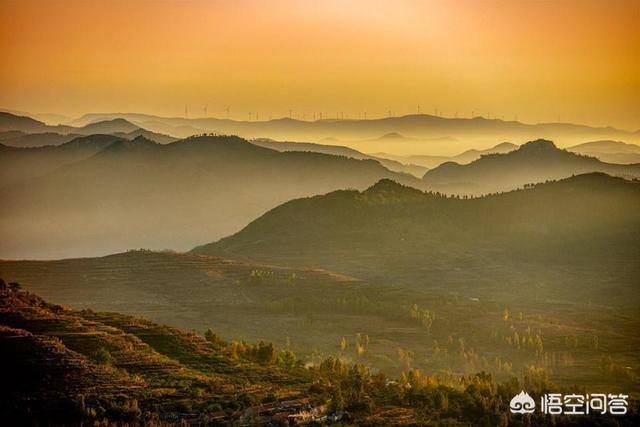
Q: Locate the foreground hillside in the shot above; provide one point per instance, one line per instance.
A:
(439, 326)
(68, 367)
(142, 194)
(534, 162)
(581, 232)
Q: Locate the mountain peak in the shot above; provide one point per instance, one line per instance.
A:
(388, 187)
(391, 136)
(538, 145)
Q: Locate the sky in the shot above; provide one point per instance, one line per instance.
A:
(531, 60)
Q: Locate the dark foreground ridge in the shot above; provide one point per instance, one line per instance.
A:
(63, 366)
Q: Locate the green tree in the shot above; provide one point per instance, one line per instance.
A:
(102, 356)
(211, 336)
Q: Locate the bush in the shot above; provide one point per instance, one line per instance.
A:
(102, 356)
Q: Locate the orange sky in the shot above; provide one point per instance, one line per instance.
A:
(534, 59)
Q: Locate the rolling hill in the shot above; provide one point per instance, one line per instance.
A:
(462, 158)
(310, 311)
(22, 131)
(424, 130)
(14, 138)
(339, 150)
(66, 366)
(577, 238)
(609, 151)
(20, 163)
(141, 194)
(535, 161)
(110, 126)
(70, 367)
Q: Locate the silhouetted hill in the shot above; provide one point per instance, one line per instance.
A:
(421, 128)
(609, 151)
(43, 134)
(393, 136)
(48, 118)
(16, 138)
(10, 122)
(339, 150)
(110, 126)
(553, 233)
(152, 136)
(143, 194)
(462, 158)
(535, 161)
(20, 163)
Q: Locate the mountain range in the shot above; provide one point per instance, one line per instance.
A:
(138, 193)
(20, 131)
(609, 151)
(339, 150)
(20, 163)
(468, 156)
(533, 162)
(566, 232)
(418, 133)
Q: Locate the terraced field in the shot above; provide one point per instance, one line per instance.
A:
(62, 365)
(313, 313)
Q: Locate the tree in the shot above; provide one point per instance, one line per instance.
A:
(102, 356)
(505, 314)
(343, 344)
(287, 360)
(539, 346)
(211, 336)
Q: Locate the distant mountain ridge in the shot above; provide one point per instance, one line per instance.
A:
(21, 163)
(338, 150)
(142, 194)
(535, 161)
(417, 126)
(11, 124)
(468, 156)
(16, 138)
(609, 151)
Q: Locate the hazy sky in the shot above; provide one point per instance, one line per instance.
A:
(576, 60)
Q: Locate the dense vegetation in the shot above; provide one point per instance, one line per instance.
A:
(318, 315)
(575, 240)
(65, 367)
